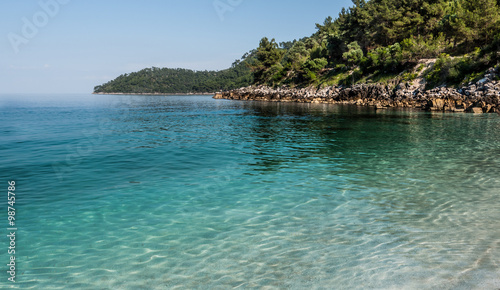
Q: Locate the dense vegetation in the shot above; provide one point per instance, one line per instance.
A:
(168, 81)
(373, 41)
(385, 39)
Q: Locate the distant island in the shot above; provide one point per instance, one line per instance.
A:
(410, 48)
(151, 81)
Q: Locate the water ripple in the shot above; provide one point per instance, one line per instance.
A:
(195, 193)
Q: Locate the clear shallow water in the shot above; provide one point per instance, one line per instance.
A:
(176, 192)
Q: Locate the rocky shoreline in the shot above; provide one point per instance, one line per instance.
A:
(482, 96)
(157, 94)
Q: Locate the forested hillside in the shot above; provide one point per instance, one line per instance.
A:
(374, 41)
(169, 81)
(379, 40)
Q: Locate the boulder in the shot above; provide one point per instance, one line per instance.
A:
(477, 110)
(437, 104)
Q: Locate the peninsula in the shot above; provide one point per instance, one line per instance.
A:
(437, 55)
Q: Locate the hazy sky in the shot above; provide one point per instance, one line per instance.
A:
(70, 46)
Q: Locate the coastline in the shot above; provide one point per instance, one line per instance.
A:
(157, 94)
(478, 97)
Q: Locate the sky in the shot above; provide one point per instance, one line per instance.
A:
(70, 46)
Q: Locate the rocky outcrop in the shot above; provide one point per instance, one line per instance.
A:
(480, 97)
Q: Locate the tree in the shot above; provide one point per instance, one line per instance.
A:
(296, 55)
(268, 52)
(354, 53)
(482, 17)
(471, 21)
(353, 56)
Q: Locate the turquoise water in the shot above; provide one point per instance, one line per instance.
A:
(187, 192)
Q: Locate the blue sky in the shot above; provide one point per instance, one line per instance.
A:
(70, 46)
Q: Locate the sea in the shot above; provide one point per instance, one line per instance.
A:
(189, 192)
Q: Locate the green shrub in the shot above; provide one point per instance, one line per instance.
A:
(409, 76)
(439, 72)
(317, 64)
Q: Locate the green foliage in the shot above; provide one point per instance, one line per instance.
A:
(354, 53)
(170, 81)
(471, 23)
(409, 76)
(296, 56)
(275, 73)
(460, 70)
(268, 54)
(388, 37)
(421, 47)
(312, 67)
(386, 59)
(439, 71)
(316, 64)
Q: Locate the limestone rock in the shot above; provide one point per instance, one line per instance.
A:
(477, 110)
